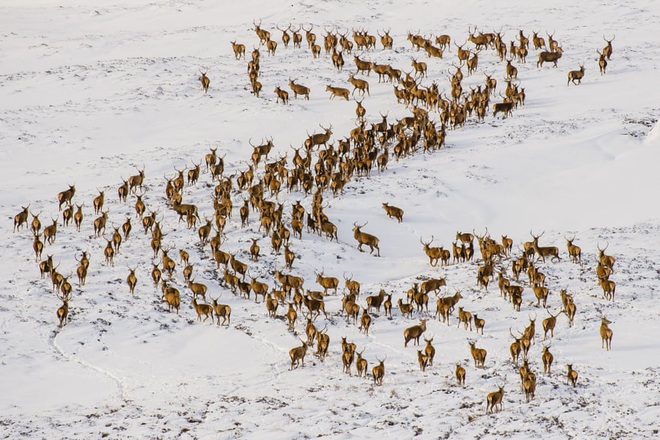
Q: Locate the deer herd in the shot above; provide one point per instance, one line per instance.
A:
(320, 165)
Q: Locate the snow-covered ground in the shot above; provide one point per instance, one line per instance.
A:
(92, 91)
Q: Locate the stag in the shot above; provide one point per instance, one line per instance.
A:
(365, 238)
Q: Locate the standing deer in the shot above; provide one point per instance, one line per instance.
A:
(206, 82)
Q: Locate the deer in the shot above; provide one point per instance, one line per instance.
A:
(327, 282)
(222, 311)
(211, 159)
(21, 218)
(311, 331)
(271, 305)
(505, 107)
(65, 196)
(50, 232)
(541, 294)
(549, 57)
(432, 285)
(507, 245)
(529, 386)
(406, 309)
(545, 251)
(352, 286)
(337, 91)
(547, 359)
(187, 272)
(393, 212)
(451, 301)
(609, 287)
(67, 215)
(318, 138)
(478, 355)
(281, 95)
(122, 190)
(206, 82)
(464, 237)
(297, 355)
(63, 311)
(530, 331)
(289, 256)
(271, 45)
(291, 316)
(516, 347)
(375, 301)
(575, 76)
(443, 41)
(605, 333)
(503, 283)
(131, 280)
(464, 318)
(602, 62)
(296, 36)
(420, 67)
(348, 356)
(607, 50)
(463, 54)
(140, 207)
(414, 332)
(605, 260)
(571, 375)
(460, 374)
(365, 322)
(479, 323)
(99, 224)
(310, 37)
(494, 399)
(286, 38)
(539, 42)
(473, 63)
(549, 324)
(429, 350)
(37, 247)
(363, 66)
(202, 309)
(322, 344)
(168, 263)
(56, 278)
(361, 364)
(378, 372)
(434, 253)
(569, 306)
(352, 309)
(46, 266)
(116, 238)
(197, 289)
(386, 40)
(258, 288)
(574, 251)
(263, 34)
(237, 266)
(360, 111)
(156, 273)
(552, 43)
(314, 305)
(239, 50)
(78, 217)
(359, 84)
(365, 238)
(298, 89)
(422, 360)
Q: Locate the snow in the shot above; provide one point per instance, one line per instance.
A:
(92, 91)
